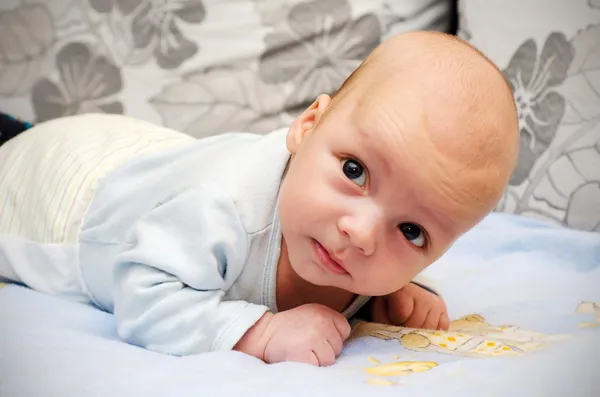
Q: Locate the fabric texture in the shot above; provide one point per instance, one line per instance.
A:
(202, 67)
(48, 176)
(523, 296)
(549, 52)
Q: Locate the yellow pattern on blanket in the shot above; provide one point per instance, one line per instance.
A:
(468, 336)
(395, 369)
(592, 308)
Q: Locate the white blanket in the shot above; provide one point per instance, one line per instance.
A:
(525, 297)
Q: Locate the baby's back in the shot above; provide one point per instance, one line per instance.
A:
(89, 178)
(49, 173)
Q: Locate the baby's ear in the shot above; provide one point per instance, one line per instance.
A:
(306, 122)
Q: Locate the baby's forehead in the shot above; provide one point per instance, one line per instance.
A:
(451, 120)
(467, 173)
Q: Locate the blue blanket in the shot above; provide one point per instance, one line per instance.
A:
(524, 296)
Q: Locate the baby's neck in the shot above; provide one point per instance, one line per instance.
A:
(293, 291)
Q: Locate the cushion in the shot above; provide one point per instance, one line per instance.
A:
(550, 55)
(199, 66)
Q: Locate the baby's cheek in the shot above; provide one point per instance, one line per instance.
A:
(409, 265)
(390, 279)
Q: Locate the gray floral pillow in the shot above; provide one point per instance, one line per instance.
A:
(316, 48)
(550, 55)
(199, 66)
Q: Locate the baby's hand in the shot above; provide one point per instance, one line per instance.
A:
(412, 306)
(312, 334)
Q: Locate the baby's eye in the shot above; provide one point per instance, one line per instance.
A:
(354, 171)
(413, 233)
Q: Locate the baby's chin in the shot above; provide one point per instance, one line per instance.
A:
(320, 279)
(348, 285)
(316, 276)
(375, 291)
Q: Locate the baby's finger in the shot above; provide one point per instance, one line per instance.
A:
(432, 320)
(401, 309)
(324, 353)
(417, 318)
(306, 357)
(336, 343)
(341, 325)
(444, 323)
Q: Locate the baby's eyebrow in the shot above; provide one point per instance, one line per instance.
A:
(367, 138)
(441, 223)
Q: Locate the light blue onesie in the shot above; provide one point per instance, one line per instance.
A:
(178, 237)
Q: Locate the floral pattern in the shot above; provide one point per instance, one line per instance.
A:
(540, 107)
(207, 102)
(155, 26)
(144, 57)
(126, 7)
(26, 39)
(583, 211)
(556, 88)
(87, 82)
(320, 47)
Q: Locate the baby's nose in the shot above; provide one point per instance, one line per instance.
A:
(362, 232)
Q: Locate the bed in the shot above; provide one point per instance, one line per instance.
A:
(524, 296)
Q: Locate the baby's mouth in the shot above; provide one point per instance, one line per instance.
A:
(326, 261)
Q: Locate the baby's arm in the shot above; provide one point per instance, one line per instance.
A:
(169, 285)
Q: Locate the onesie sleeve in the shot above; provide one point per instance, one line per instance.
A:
(169, 284)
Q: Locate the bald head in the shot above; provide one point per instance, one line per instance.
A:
(464, 104)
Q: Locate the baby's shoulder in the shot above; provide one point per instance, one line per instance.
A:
(252, 175)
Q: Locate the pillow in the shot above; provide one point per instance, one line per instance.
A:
(549, 52)
(199, 66)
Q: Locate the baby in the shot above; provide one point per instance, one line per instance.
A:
(267, 244)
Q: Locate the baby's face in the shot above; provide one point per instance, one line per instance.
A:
(366, 205)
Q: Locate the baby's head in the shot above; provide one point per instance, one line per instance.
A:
(413, 151)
